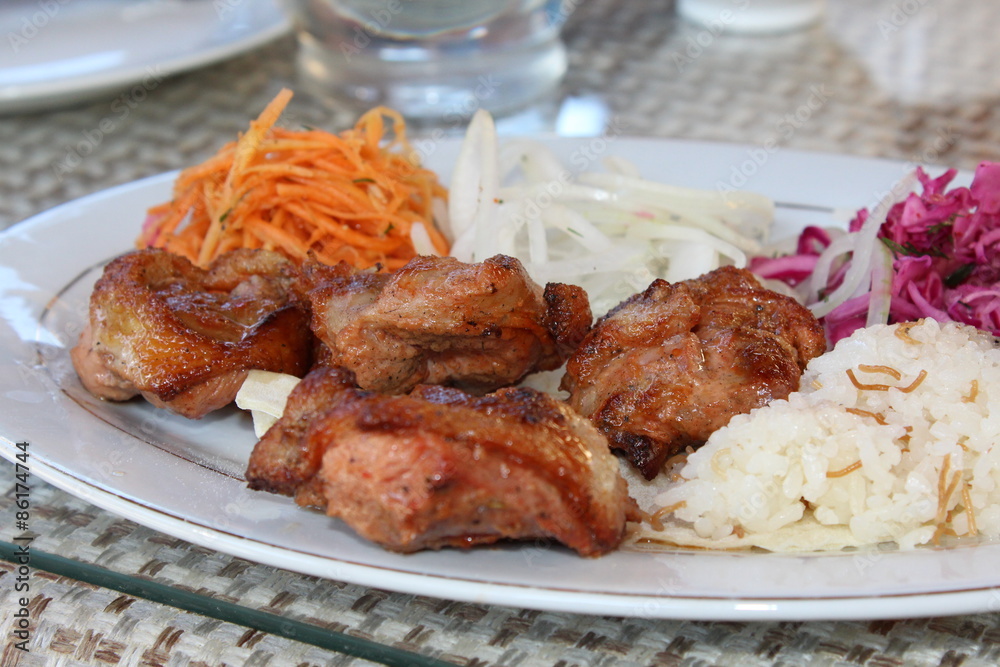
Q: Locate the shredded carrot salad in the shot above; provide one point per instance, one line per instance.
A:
(355, 196)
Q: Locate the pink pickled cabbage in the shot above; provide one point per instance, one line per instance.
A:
(945, 246)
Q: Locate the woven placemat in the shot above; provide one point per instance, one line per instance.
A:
(74, 619)
(74, 623)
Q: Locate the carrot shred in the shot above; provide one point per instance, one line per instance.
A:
(352, 196)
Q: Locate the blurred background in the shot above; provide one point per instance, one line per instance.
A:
(907, 80)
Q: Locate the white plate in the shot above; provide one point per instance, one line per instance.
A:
(58, 52)
(184, 477)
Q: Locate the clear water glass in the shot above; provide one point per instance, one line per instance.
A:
(431, 58)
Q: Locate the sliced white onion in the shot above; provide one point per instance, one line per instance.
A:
(864, 248)
(264, 394)
(538, 242)
(688, 235)
(422, 240)
(581, 264)
(578, 228)
(543, 190)
(475, 184)
(759, 209)
(611, 233)
(689, 258)
(838, 248)
(881, 297)
(534, 159)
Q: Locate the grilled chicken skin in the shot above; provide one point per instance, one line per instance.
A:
(670, 365)
(439, 467)
(440, 321)
(184, 337)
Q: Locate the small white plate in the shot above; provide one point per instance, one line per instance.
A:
(185, 477)
(58, 52)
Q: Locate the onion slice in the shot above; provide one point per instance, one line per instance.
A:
(863, 247)
(611, 232)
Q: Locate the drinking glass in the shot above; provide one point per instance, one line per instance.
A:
(431, 58)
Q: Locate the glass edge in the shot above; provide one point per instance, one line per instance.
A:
(218, 609)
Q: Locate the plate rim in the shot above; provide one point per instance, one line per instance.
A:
(877, 605)
(71, 90)
(625, 605)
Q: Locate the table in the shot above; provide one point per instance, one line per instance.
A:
(909, 80)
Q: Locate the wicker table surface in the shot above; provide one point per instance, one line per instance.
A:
(912, 80)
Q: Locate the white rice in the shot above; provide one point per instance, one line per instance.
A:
(836, 466)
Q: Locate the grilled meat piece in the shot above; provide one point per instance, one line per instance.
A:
(440, 321)
(185, 337)
(439, 467)
(284, 460)
(670, 365)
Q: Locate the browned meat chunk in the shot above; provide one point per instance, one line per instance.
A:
(670, 365)
(185, 337)
(440, 321)
(284, 460)
(439, 467)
